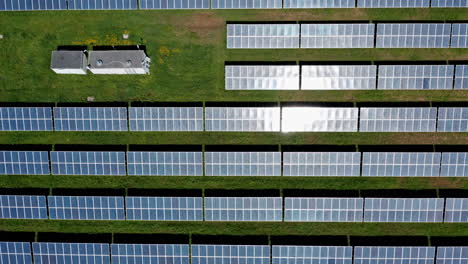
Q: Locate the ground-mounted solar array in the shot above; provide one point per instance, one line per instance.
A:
(311, 254)
(257, 209)
(344, 119)
(25, 119)
(454, 164)
(393, 3)
(164, 208)
(87, 163)
(346, 77)
(321, 163)
(166, 119)
(459, 35)
(242, 163)
(174, 4)
(71, 253)
(401, 119)
(12, 5)
(422, 77)
(403, 210)
(453, 119)
(90, 118)
(391, 255)
(24, 162)
(86, 208)
(245, 119)
(23, 207)
(401, 164)
(262, 77)
(418, 35)
(449, 3)
(249, 36)
(230, 254)
(452, 255)
(456, 210)
(323, 209)
(337, 35)
(150, 253)
(165, 163)
(461, 77)
(15, 252)
(102, 4)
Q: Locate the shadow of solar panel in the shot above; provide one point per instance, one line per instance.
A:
(319, 119)
(86, 208)
(166, 119)
(246, 4)
(230, 254)
(452, 255)
(26, 119)
(262, 77)
(321, 163)
(454, 164)
(23, 207)
(150, 253)
(401, 164)
(413, 35)
(449, 3)
(258, 209)
(245, 119)
(318, 4)
(24, 163)
(25, 5)
(102, 4)
(412, 77)
(403, 210)
(262, 36)
(338, 77)
(90, 118)
(456, 211)
(174, 4)
(459, 35)
(164, 208)
(243, 163)
(165, 163)
(392, 3)
(393, 255)
(87, 163)
(311, 254)
(15, 253)
(461, 77)
(77, 253)
(323, 209)
(337, 35)
(398, 119)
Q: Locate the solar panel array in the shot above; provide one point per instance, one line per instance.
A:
(250, 36)
(166, 119)
(401, 164)
(422, 77)
(319, 119)
(449, 3)
(452, 255)
(321, 163)
(456, 210)
(337, 35)
(338, 77)
(454, 164)
(311, 254)
(174, 4)
(102, 4)
(86, 208)
(262, 77)
(415, 35)
(15, 5)
(165, 163)
(403, 210)
(164, 208)
(230, 254)
(15, 253)
(87, 163)
(242, 163)
(77, 253)
(150, 253)
(461, 76)
(23, 207)
(246, 4)
(318, 4)
(245, 119)
(398, 119)
(323, 209)
(393, 3)
(243, 209)
(90, 118)
(394, 255)
(452, 119)
(24, 163)
(459, 36)
(26, 119)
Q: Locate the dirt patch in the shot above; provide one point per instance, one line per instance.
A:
(447, 183)
(206, 26)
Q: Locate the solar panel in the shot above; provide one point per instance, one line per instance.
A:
(102, 4)
(90, 118)
(459, 36)
(258, 209)
(394, 255)
(24, 163)
(392, 3)
(76, 253)
(165, 163)
(338, 77)
(403, 209)
(452, 119)
(415, 77)
(245, 119)
(452, 255)
(398, 119)
(246, 4)
(15, 253)
(262, 77)
(461, 77)
(86, 208)
(87, 163)
(262, 36)
(337, 35)
(25, 119)
(164, 208)
(174, 4)
(15, 5)
(243, 163)
(304, 119)
(456, 210)
(318, 4)
(449, 3)
(321, 163)
(454, 164)
(323, 209)
(150, 253)
(312, 254)
(413, 35)
(166, 119)
(401, 164)
(230, 254)
(23, 207)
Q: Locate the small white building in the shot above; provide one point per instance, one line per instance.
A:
(68, 62)
(119, 62)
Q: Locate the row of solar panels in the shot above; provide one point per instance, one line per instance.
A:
(241, 119)
(388, 35)
(100, 253)
(259, 209)
(18, 5)
(372, 164)
(346, 77)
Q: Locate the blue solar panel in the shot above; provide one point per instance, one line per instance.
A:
(392, 3)
(164, 208)
(318, 4)
(401, 164)
(403, 209)
(23, 207)
(461, 76)
(15, 5)
(102, 4)
(24, 163)
(166, 119)
(398, 119)
(86, 208)
(459, 36)
(245, 4)
(76, 253)
(454, 164)
(323, 209)
(87, 163)
(243, 208)
(312, 255)
(165, 163)
(15, 253)
(321, 163)
(230, 254)
(456, 210)
(174, 4)
(413, 35)
(452, 255)
(394, 255)
(150, 254)
(90, 118)
(449, 3)
(25, 119)
(415, 77)
(243, 163)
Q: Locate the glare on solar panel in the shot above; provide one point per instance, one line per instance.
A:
(23, 207)
(318, 4)
(337, 35)
(401, 164)
(26, 119)
(90, 118)
(243, 163)
(392, 3)
(311, 254)
(319, 119)
(14, 5)
(394, 255)
(102, 4)
(262, 77)
(456, 210)
(86, 208)
(230, 254)
(166, 119)
(338, 77)
(403, 209)
(459, 35)
(262, 36)
(452, 255)
(412, 77)
(24, 163)
(87, 163)
(174, 4)
(321, 163)
(15, 253)
(449, 3)
(413, 35)
(243, 209)
(245, 119)
(246, 4)
(398, 119)
(165, 163)
(454, 164)
(323, 209)
(461, 76)
(150, 253)
(76, 253)
(164, 208)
